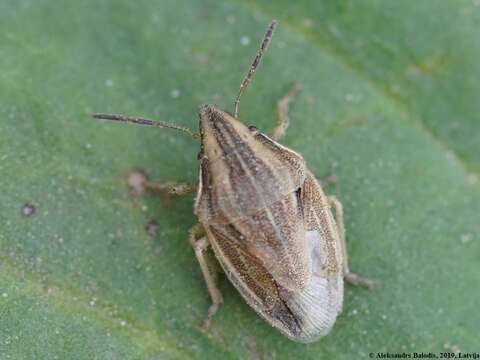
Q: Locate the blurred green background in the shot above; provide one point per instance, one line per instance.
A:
(390, 106)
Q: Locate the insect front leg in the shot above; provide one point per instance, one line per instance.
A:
(282, 112)
(171, 188)
(139, 183)
(200, 243)
(350, 277)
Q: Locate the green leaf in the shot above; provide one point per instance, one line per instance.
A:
(390, 106)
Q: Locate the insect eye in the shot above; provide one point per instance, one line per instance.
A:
(253, 129)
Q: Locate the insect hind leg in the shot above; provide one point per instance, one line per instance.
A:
(350, 277)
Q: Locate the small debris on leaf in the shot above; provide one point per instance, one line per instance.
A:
(151, 227)
(28, 210)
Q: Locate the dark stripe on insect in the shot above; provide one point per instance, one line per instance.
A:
(295, 326)
(246, 151)
(234, 164)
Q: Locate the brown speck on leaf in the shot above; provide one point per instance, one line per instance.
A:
(151, 227)
(137, 182)
(28, 210)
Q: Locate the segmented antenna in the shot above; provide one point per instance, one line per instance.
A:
(143, 121)
(256, 62)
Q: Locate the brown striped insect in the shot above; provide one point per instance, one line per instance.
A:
(267, 219)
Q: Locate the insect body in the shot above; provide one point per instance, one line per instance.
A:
(268, 221)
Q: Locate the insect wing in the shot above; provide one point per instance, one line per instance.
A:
(303, 315)
(317, 306)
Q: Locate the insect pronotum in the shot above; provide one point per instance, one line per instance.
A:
(266, 218)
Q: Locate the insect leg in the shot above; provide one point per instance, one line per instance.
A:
(350, 277)
(282, 112)
(200, 245)
(171, 188)
(138, 183)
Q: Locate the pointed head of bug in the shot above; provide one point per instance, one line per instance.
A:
(221, 133)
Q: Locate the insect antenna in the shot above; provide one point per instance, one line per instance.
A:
(256, 62)
(143, 121)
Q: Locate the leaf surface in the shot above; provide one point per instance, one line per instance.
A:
(389, 106)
